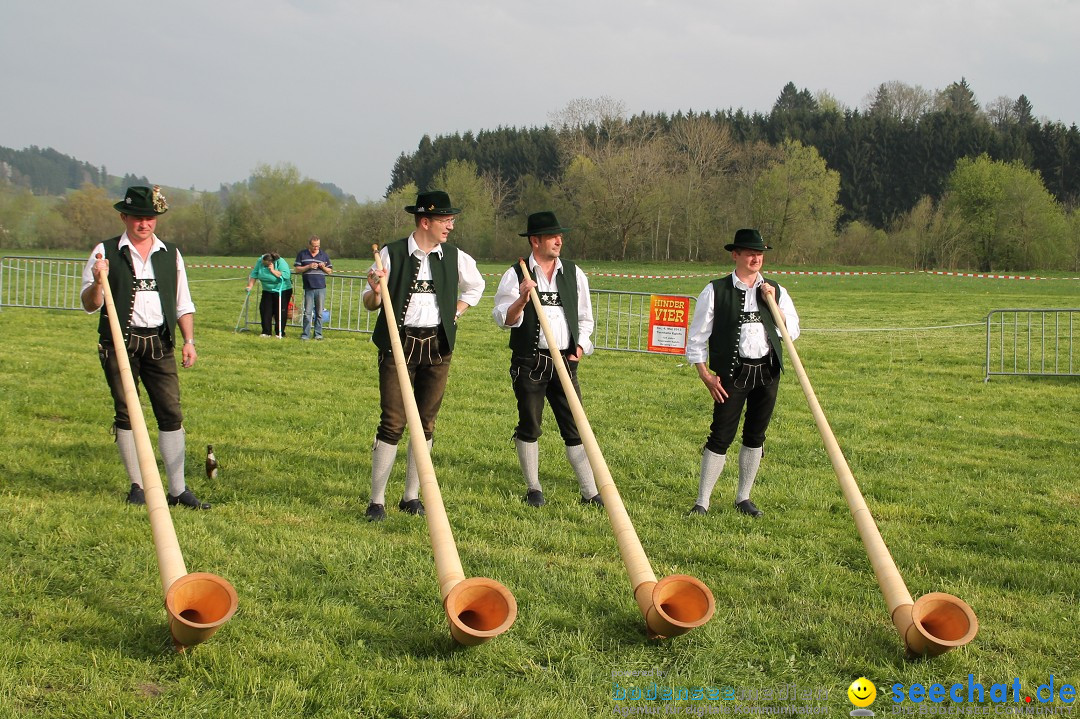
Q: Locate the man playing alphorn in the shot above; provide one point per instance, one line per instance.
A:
(734, 331)
(149, 286)
(431, 283)
(564, 295)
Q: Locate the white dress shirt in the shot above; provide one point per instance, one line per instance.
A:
(508, 293)
(146, 309)
(423, 309)
(753, 342)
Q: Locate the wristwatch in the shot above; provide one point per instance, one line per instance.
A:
(190, 342)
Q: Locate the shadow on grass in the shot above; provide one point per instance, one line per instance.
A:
(61, 467)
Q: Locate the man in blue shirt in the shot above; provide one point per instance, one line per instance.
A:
(314, 265)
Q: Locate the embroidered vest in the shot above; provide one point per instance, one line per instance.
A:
(525, 339)
(728, 302)
(122, 284)
(403, 271)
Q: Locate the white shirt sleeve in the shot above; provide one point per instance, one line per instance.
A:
(88, 270)
(697, 340)
(470, 281)
(506, 295)
(791, 317)
(385, 254)
(184, 303)
(585, 315)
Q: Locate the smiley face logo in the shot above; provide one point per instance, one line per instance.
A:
(862, 692)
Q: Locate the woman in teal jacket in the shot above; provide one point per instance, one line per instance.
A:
(276, 278)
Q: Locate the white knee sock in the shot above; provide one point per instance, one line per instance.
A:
(579, 460)
(412, 477)
(712, 464)
(529, 458)
(749, 461)
(125, 442)
(382, 461)
(172, 446)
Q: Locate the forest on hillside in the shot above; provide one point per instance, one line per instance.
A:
(914, 178)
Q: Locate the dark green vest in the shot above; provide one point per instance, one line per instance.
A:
(525, 339)
(122, 284)
(403, 269)
(724, 341)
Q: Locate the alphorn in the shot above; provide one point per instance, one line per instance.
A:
(199, 603)
(677, 603)
(937, 622)
(478, 608)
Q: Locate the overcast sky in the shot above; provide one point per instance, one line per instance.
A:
(195, 93)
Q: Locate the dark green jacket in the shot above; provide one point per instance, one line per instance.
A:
(122, 284)
(525, 338)
(724, 341)
(403, 271)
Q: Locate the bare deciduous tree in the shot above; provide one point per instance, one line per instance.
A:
(500, 190)
(614, 168)
(587, 123)
(899, 100)
(1001, 111)
(705, 148)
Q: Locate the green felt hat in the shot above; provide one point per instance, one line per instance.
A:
(747, 240)
(543, 223)
(434, 202)
(143, 202)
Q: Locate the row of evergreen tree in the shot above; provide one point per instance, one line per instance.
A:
(900, 148)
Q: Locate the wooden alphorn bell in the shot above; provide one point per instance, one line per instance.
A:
(937, 622)
(478, 608)
(677, 603)
(199, 603)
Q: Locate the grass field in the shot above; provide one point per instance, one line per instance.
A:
(973, 485)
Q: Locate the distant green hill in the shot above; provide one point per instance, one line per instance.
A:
(49, 172)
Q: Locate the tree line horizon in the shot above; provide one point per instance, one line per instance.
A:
(915, 179)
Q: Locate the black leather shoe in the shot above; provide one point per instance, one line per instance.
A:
(188, 499)
(136, 495)
(413, 506)
(375, 513)
(747, 507)
(535, 498)
(697, 509)
(595, 499)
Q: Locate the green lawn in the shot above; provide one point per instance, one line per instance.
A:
(973, 485)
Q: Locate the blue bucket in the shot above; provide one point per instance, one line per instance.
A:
(326, 317)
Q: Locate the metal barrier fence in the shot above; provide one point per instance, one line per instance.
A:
(52, 283)
(344, 302)
(622, 319)
(55, 283)
(1033, 342)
